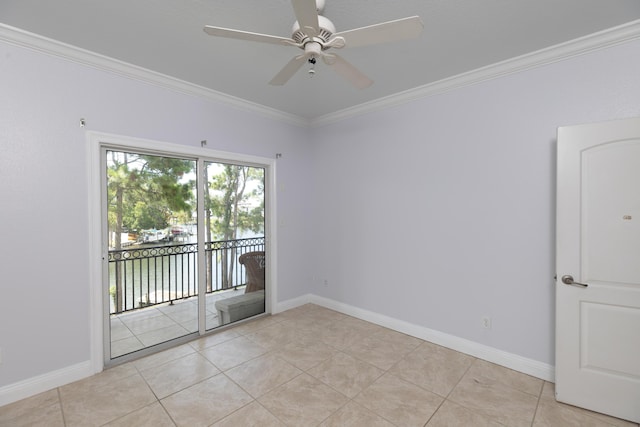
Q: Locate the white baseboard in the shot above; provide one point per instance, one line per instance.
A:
(41, 383)
(50, 380)
(499, 357)
(292, 303)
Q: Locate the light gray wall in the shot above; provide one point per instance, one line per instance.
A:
(442, 211)
(437, 212)
(44, 275)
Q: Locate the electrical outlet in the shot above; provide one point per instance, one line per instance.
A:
(486, 322)
(326, 282)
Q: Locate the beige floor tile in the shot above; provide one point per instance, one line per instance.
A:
(252, 415)
(551, 413)
(360, 326)
(434, 368)
(398, 339)
(341, 335)
(303, 401)
(206, 402)
(96, 382)
(305, 353)
(308, 306)
(548, 390)
(451, 414)
(161, 335)
(252, 326)
(399, 401)
(263, 374)
(321, 313)
(506, 376)
(163, 357)
(105, 404)
(152, 415)
(43, 409)
(555, 408)
(276, 335)
(234, 352)
(346, 374)
(354, 415)
(495, 400)
(178, 374)
(316, 360)
(292, 314)
(383, 348)
(309, 324)
(214, 338)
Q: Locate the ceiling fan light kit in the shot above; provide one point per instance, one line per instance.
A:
(315, 34)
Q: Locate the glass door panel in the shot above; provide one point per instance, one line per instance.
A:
(234, 242)
(152, 254)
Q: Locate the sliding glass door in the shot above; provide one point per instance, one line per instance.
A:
(157, 256)
(234, 242)
(152, 268)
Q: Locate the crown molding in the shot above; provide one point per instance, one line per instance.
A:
(580, 46)
(78, 55)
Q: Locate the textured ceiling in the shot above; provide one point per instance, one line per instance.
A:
(166, 36)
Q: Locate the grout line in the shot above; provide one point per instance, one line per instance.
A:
(535, 413)
(311, 313)
(64, 419)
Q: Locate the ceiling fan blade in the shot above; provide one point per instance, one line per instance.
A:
(346, 70)
(400, 29)
(289, 70)
(307, 16)
(246, 35)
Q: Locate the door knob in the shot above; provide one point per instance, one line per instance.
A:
(568, 280)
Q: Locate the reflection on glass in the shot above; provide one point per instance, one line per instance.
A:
(152, 257)
(234, 235)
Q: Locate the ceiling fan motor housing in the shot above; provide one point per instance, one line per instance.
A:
(317, 34)
(326, 28)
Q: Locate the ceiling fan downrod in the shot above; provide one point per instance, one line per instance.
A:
(315, 35)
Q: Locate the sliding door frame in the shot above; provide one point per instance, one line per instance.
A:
(98, 255)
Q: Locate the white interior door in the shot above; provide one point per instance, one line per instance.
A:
(598, 268)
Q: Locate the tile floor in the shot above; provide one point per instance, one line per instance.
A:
(308, 366)
(134, 330)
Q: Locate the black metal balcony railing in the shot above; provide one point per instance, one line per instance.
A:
(151, 275)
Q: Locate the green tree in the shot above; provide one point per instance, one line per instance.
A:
(234, 202)
(144, 191)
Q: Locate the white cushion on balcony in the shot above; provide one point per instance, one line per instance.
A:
(240, 307)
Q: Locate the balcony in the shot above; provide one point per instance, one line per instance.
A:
(154, 291)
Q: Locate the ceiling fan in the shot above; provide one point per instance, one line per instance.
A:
(315, 35)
